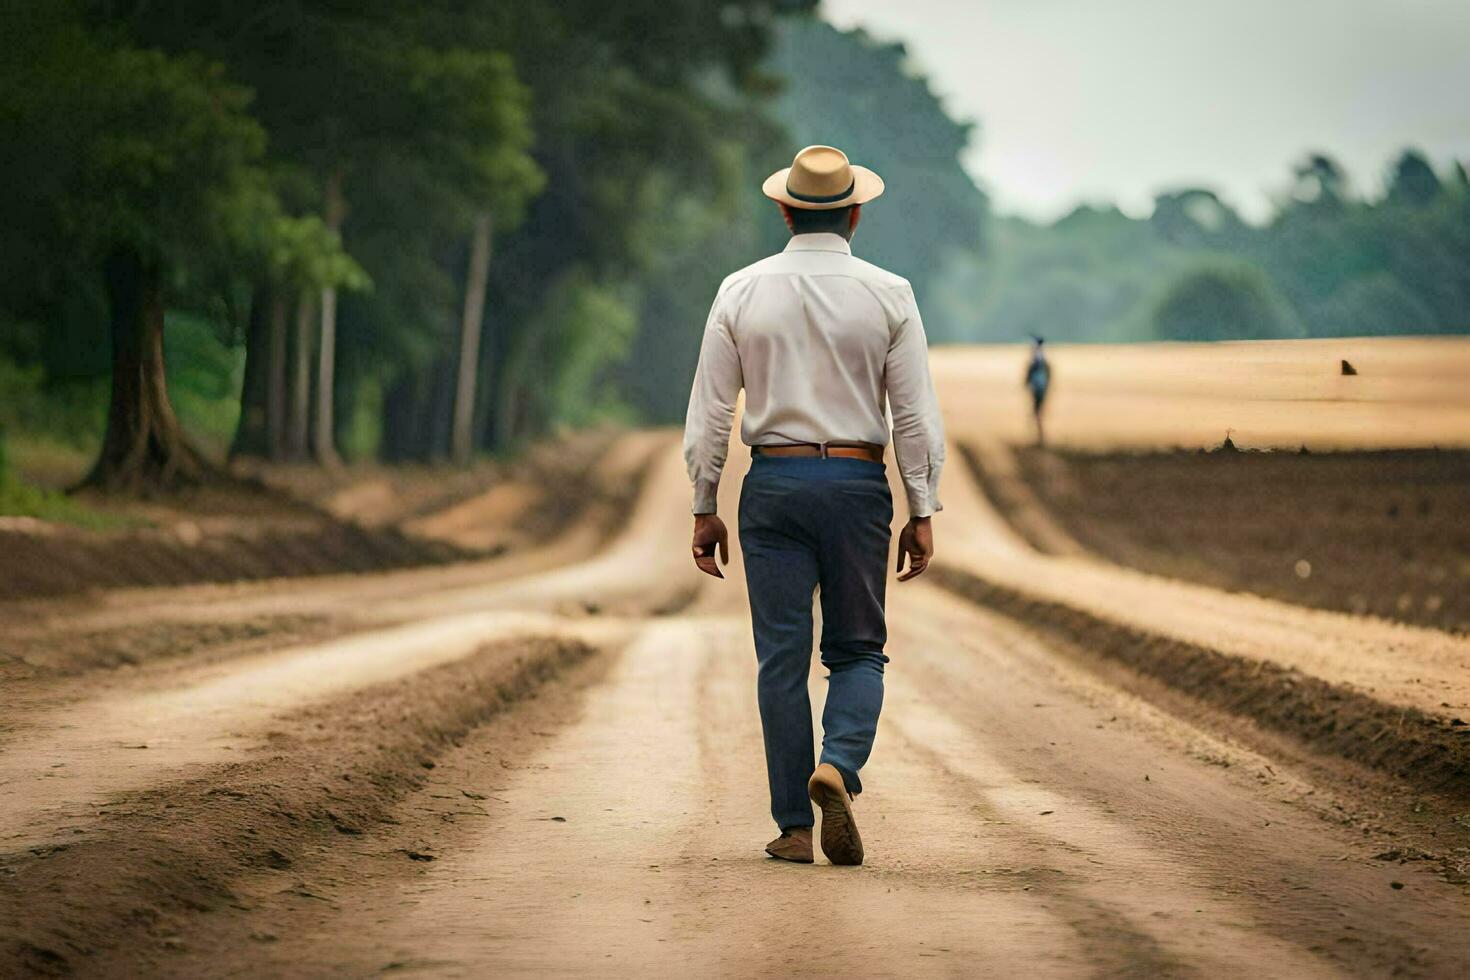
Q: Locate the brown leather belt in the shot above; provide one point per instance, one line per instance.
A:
(824, 450)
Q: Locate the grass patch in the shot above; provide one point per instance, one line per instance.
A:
(19, 499)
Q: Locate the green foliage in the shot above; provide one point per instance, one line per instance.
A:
(648, 117)
(1223, 300)
(1320, 184)
(585, 327)
(69, 412)
(478, 132)
(1089, 277)
(204, 384)
(1413, 181)
(845, 89)
(303, 252)
(125, 146)
(20, 499)
(1335, 264)
(1377, 304)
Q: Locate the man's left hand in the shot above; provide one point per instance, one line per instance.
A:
(916, 543)
(710, 533)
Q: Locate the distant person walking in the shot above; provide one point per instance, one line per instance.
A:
(821, 341)
(1038, 380)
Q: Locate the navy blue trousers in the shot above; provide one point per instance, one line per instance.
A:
(812, 525)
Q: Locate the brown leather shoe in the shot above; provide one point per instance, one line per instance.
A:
(793, 845)
(840, 840)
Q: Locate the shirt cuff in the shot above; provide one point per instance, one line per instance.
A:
(926, 505)
(706, 496)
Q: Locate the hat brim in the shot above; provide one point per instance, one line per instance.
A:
(866, 186)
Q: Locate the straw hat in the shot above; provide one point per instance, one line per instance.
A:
(820, 179)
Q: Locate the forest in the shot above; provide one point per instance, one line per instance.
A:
(316, 231)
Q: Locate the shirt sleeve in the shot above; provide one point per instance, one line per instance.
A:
(717, 383)
(918, 430)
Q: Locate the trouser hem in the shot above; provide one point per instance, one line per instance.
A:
(849, 778)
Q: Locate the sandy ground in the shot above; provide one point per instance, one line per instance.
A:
(549, 765)
(1408, 393)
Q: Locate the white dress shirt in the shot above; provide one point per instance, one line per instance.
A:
(819, 340)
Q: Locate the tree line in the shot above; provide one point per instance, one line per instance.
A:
(432, 229)
(1329, 261)
(407, 208)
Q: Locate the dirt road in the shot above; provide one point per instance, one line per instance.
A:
(551, 765)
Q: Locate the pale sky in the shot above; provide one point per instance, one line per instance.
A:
(1098, 100)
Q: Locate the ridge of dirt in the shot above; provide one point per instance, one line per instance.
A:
(153, 859)
(60, 561)
(49, 654)
(1427, 752)
(295, 521)
(1014, 500)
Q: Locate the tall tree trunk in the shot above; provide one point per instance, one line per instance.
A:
(462, 439)
(275, 386)
(297, 435)
(251, 435)
(325, 447)
(144, 448)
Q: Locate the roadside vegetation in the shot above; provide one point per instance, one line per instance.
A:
(306, 233)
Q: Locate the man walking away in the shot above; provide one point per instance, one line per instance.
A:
(1038, 380)
(820, 341)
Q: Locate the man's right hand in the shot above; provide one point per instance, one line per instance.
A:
(916, 543)
(710, 533)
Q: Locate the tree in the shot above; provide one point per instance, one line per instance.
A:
(485, 138)
(301, 258)
(1223, 300)
(1320, 183)
(1376, 305)
(846, 89)
(150, 166)
(1413, 181)
(350, 93)
(1195, 217)
(641, 111)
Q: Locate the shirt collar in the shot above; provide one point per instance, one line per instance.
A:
(818, 242)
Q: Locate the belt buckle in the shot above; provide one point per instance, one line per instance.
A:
(822, 446)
